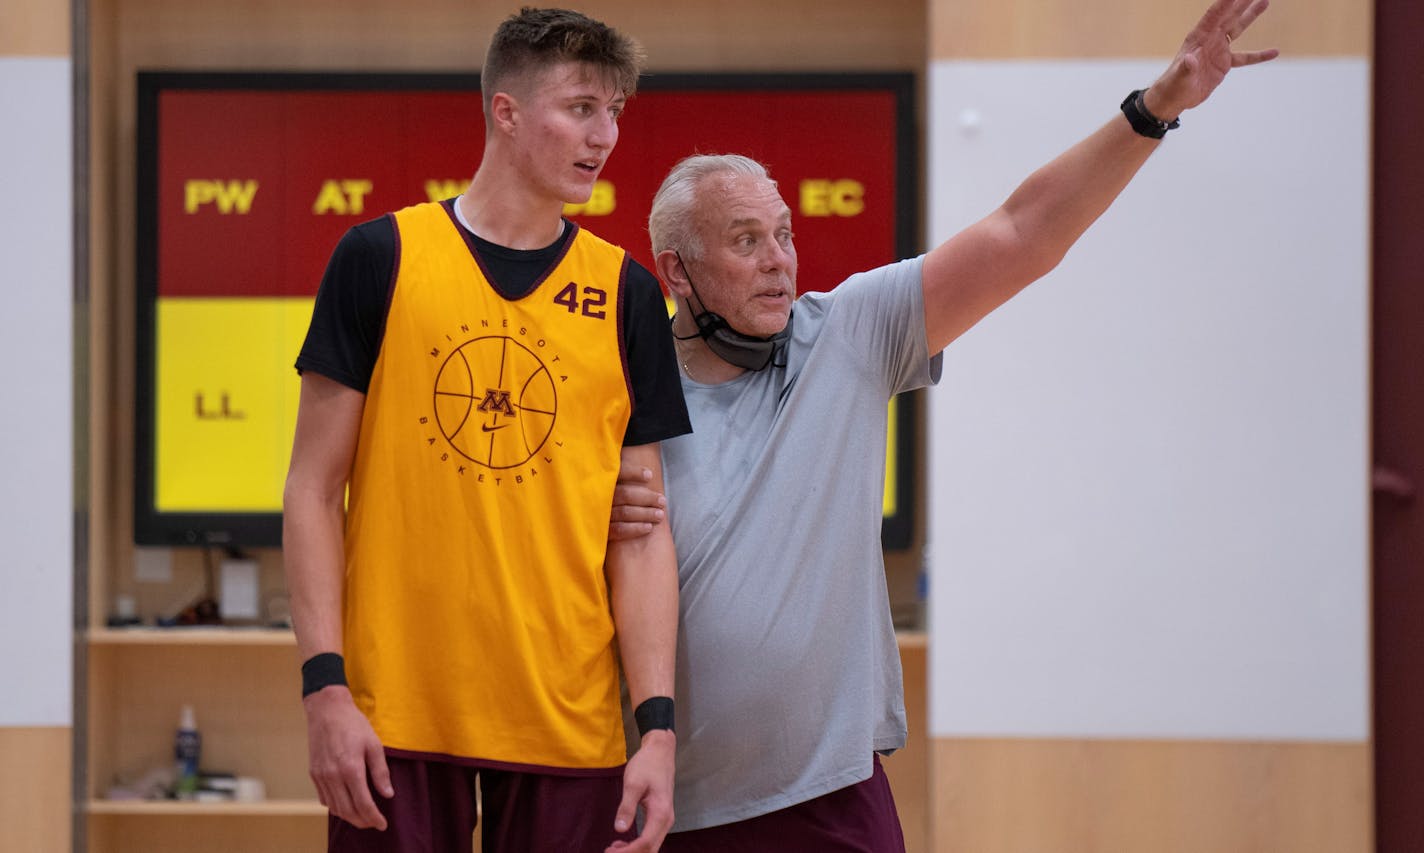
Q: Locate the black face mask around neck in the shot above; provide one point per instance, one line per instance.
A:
(730, 345)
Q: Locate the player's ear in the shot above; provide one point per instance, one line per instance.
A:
(504, 112)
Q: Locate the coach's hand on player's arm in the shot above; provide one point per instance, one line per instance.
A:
(637, 506)
(343, 750)
(647, 781)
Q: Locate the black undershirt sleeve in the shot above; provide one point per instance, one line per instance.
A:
(659, 411)
(349, 315)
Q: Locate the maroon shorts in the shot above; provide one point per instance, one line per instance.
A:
(857, 819)
(434, 811)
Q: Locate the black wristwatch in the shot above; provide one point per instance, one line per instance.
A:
(1142, 121)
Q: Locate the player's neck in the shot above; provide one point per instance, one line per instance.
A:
(508, 214)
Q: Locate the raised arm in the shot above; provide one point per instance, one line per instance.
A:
(341, 744)
(642, 582)
(984, 265)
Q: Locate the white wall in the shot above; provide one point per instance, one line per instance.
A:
(1148, 499)
(36, 385)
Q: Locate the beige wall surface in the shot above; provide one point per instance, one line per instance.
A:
(1065, 796)
(1095, 29)
(34, 28)
(34, 789)
(368, 34)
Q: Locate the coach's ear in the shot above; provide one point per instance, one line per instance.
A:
(673, 273)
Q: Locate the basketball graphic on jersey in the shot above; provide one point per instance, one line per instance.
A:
(495, 401)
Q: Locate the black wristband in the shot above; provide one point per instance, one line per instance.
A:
(1143, 121)
(654, 713)
(322, 670)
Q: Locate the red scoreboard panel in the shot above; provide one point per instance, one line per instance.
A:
(247, 181)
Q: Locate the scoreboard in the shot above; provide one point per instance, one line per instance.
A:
(247, 181)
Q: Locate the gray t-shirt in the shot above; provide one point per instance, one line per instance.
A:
(788, 673)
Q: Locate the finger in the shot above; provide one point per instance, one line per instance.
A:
(363, 807)
(1253, 57)
(380, 771)
(1247, 17)
(638, 496)
(628, 808)
(323, 794)
(636, 512)
(630, 473)
(364, 811)
(1217, 17)
(339, 803)
(622, 531)
(657, 820)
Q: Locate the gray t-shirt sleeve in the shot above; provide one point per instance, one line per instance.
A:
(880, 314)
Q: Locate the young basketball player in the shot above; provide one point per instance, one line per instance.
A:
(475, 372)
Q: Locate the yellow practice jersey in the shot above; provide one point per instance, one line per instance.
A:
(477, 621)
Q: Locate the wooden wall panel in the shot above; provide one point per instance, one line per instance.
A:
(1094, 29)
(182, 834)
(34, 789)
(367, 34)
(908, 769)
(34, 28)
(1076, 796)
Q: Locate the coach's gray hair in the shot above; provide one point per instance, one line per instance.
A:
(672, 224)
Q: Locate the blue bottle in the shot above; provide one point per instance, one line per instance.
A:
(187, 749)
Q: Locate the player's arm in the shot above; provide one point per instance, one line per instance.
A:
(342, 746)
(642, 582)
(660, 412)
(980, 268)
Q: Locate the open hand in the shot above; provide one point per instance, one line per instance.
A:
(1205, 58)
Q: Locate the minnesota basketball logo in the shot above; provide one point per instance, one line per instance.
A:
(495, 402)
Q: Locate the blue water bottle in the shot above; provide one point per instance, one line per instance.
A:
(187, 748)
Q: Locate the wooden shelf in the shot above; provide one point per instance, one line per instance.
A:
(219, 636)
(198, 636)
(174, 808)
